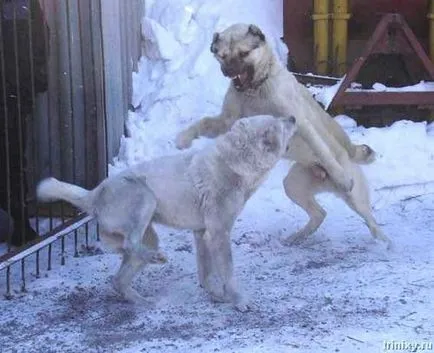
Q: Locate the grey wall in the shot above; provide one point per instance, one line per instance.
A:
(94, 47)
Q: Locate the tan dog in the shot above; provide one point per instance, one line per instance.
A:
(326, 160)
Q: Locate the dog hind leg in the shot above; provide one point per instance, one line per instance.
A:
(130, 266)
(358, 200)
(142, 218)
(301, 185)
(140, 247)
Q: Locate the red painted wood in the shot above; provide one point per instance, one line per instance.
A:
(387, 98)
(298, 33)
(344, 98)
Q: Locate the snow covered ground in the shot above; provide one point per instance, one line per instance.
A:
(338, 292)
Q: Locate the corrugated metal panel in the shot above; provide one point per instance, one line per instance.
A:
(121, 38)
(94, 46)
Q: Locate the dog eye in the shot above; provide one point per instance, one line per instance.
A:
(243, 54)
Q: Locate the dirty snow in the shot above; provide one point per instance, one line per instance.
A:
(338, 292)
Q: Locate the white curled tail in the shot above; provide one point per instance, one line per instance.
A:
(51, 189)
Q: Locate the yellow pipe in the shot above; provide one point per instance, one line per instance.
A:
(340, 35)
(431, 40)
(431, 31)
(320, 19)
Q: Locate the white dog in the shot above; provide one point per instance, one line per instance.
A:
(203, 191)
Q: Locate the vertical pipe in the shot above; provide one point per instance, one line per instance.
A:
(320, 19)
(431, 30)
(49, 257)
(340, 36)
(38, 272)
(87, 236)
(23, 275)
(75, 244)
(8, 294)
(62, 255)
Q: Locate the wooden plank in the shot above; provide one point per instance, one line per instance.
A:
(99, 129)
(125, 25)
(50, 153)
(92, 88)
(387, 98)
(76, 83)
(64, 92)
(87, 64)
(114, 102)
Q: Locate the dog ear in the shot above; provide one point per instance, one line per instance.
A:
(289, 122)
(256, 31)
(215, 39)
(270, 140)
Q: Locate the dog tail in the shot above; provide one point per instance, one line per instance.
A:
(362, 154)
(51, 189)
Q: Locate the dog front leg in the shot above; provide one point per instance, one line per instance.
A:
(207, 127)
(337, 173)
(202, 257)
(220, 281)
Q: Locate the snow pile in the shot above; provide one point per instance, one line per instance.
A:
(179, 80)
(405, 152)
(422, 86)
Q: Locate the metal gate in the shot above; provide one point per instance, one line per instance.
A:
(65, 83)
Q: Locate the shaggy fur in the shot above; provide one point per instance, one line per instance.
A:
(203, 191)
(326, 160)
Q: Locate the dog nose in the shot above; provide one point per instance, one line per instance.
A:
(228, 71)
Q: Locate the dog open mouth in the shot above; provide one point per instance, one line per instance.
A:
(240, 79)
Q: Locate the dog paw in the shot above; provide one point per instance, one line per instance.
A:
(183, 140)
(345, 184)
(218, 298)
(242, 307)
(158, 258)
(293, 240)
(390, 245)
(129, 294)
(369, 154)
(132, 296)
